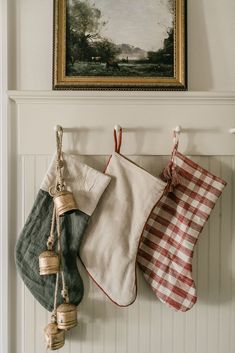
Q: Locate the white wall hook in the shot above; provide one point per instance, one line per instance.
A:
(178, 129)
(58, 128)
(232, 131)
(117, 128)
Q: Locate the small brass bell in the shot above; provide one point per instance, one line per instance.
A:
(54, 337)
(66, 316)
(64, 202)
(48, 263)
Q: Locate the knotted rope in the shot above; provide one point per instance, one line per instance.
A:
(59, 161)
(59, 183)
(56, 219)
(51, 239)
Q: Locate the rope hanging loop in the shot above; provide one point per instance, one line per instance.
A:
(63, 199)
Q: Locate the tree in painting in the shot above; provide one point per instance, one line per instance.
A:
(84, 42)
(95, 46)
(83, 24)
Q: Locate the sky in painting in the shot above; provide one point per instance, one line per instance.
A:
(141, 23)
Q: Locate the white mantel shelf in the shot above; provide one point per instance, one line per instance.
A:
(123, 97)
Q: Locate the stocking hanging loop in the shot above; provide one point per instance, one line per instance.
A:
(176, 137)
(117, 133)
(63, 199)
(170, 174)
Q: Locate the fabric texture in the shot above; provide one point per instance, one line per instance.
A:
(86, 184)
(109, 248)
(83, 181)
(166, 250)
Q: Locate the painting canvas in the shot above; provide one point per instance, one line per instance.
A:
(119, 44)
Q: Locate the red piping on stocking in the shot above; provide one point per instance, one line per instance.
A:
(136, 282)
(118, 142)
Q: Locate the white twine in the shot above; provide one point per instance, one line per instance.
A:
(59, 162)
(64, 291)
(51, 238)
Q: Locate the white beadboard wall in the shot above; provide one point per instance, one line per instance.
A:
(147, 326)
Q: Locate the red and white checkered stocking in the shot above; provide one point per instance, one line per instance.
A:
(166, 250)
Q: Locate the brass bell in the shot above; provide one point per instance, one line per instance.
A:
(64, 202)
(66, 316)
(48, 263)
(54, 337)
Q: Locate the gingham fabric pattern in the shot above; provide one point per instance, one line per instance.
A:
(166, 249)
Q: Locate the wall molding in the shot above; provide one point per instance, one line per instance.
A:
(4, 182)
(115, 97)
(89, 118)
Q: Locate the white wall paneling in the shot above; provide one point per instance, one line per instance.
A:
(4, 182)
(146, 326)
(147, 118)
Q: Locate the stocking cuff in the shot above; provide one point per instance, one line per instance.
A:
(86, 183)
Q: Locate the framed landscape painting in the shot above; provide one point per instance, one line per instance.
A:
(120, 44)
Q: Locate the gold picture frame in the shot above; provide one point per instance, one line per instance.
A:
(102, 64)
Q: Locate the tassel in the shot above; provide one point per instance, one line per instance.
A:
(170, 176)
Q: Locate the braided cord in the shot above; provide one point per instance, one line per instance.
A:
(56, 221)
(64, 291)
(59, 161)
(51, 238)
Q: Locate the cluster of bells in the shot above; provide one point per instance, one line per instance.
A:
(65, 317)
